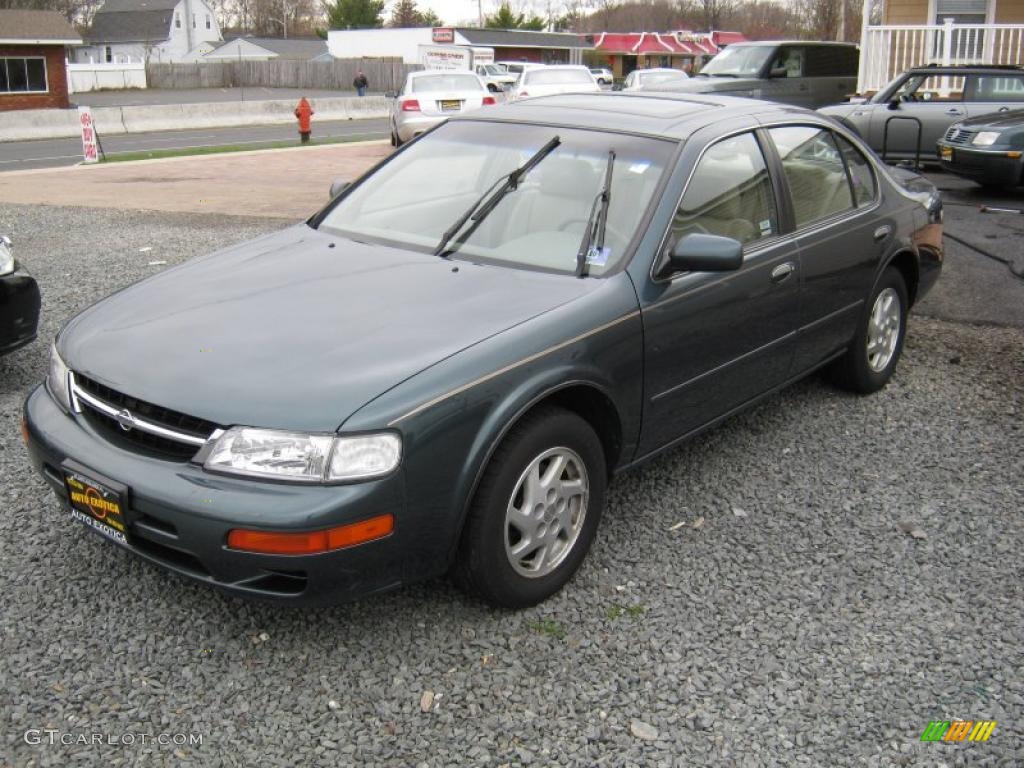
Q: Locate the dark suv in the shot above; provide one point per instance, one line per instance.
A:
(804, 73)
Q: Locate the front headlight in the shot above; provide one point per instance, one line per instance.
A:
(986, 139)
(6, 256)
(57, 379)
(302, 457)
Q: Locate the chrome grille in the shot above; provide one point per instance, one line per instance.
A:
(135, 424)
(960, 136)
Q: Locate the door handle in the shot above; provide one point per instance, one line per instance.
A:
(783, 271)
(954, 111)
(1004, 109)
(882, 232)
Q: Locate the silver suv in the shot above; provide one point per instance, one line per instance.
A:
(806, 74)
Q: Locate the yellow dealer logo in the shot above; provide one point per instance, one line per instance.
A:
(958, 730)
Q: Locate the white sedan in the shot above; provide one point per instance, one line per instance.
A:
(640, 79)
(430, 97)
(547, 81)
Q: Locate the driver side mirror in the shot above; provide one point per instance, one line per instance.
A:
(778, 72)
(894, 104)
(338, 186)
(390, 94)
(703, 253)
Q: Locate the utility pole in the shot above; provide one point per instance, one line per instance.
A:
(841, 29)
(480, 12)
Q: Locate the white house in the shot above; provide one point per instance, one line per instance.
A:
(126, 31)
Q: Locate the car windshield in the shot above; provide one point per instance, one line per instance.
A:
(446, 82)
(556, 76)
(493, 69)
(741, 61)
(411, 200)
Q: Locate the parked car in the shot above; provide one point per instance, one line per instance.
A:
(803, 73)
(495, 77)
(445, 366)
(930, 99)
(518, 67)
(645, 79)
(988, 149)
(19, 301)
(555, 79)
(430, 97)
(603, 75)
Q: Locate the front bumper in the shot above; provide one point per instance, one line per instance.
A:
(19, 310)
(178, 517)
(994, 167)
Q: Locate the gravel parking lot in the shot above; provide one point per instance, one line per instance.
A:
(754, 598)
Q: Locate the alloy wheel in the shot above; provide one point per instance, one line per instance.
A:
(545, 514)
(883, 329)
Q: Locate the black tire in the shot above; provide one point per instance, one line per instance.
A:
(854, 371)
(483, 566)
(394, 137)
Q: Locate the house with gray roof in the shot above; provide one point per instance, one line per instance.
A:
(125, 31)
(267, 48)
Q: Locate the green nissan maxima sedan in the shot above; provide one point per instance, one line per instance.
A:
(443, 369)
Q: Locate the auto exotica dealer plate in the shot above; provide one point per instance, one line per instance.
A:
(99, 505)
(451, 105)
(947, 153)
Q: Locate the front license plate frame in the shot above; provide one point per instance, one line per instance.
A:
(97, 501)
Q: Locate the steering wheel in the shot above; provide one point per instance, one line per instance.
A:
(608, 229)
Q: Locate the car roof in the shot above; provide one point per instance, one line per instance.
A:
(751, 43)
(427, 72)
(662, 114)
(984, 69)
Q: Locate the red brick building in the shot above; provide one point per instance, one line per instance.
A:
(33, 55)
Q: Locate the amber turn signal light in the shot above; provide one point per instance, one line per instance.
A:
(24, 431)
(311, 542)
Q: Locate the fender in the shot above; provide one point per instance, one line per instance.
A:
(527, 395)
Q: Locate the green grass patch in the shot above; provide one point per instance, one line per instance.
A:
(548, 627)
(123, 157)
(616, 611)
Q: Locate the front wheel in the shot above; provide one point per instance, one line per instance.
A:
(871, 360)
(536, 511)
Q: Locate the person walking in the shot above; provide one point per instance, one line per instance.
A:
(304, 113)
(360, 83)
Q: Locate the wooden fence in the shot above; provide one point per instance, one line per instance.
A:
(384, 74)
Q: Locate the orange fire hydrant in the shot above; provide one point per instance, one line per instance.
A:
(304, 112)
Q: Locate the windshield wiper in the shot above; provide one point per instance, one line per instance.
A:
(494, 195)
(593, 237)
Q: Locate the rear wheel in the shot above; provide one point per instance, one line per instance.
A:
(871, 359)
(536, 511)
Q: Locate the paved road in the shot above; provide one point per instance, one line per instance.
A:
(50, 153)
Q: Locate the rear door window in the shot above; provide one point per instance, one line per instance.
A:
(998, 88)
(815, 172)
(862, 177)
(831, 61)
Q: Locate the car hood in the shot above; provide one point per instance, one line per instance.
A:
(996, 121)
(289, 332)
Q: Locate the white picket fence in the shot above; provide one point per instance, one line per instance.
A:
(98, 77)
(886, 51)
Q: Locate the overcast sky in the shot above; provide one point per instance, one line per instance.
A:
(464, 12)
